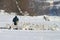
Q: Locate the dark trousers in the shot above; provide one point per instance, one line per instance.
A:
(15, 23)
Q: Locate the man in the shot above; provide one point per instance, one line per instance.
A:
(15, 20)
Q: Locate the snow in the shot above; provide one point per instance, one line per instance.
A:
(29, 35)
(10, 34)
(35, 22)
(52, 0)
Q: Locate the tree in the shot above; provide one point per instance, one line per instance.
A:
(53, 11)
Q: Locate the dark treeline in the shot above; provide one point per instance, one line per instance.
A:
(33, 7)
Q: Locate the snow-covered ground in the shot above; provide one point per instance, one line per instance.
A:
(35, 22)
(29, 35)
